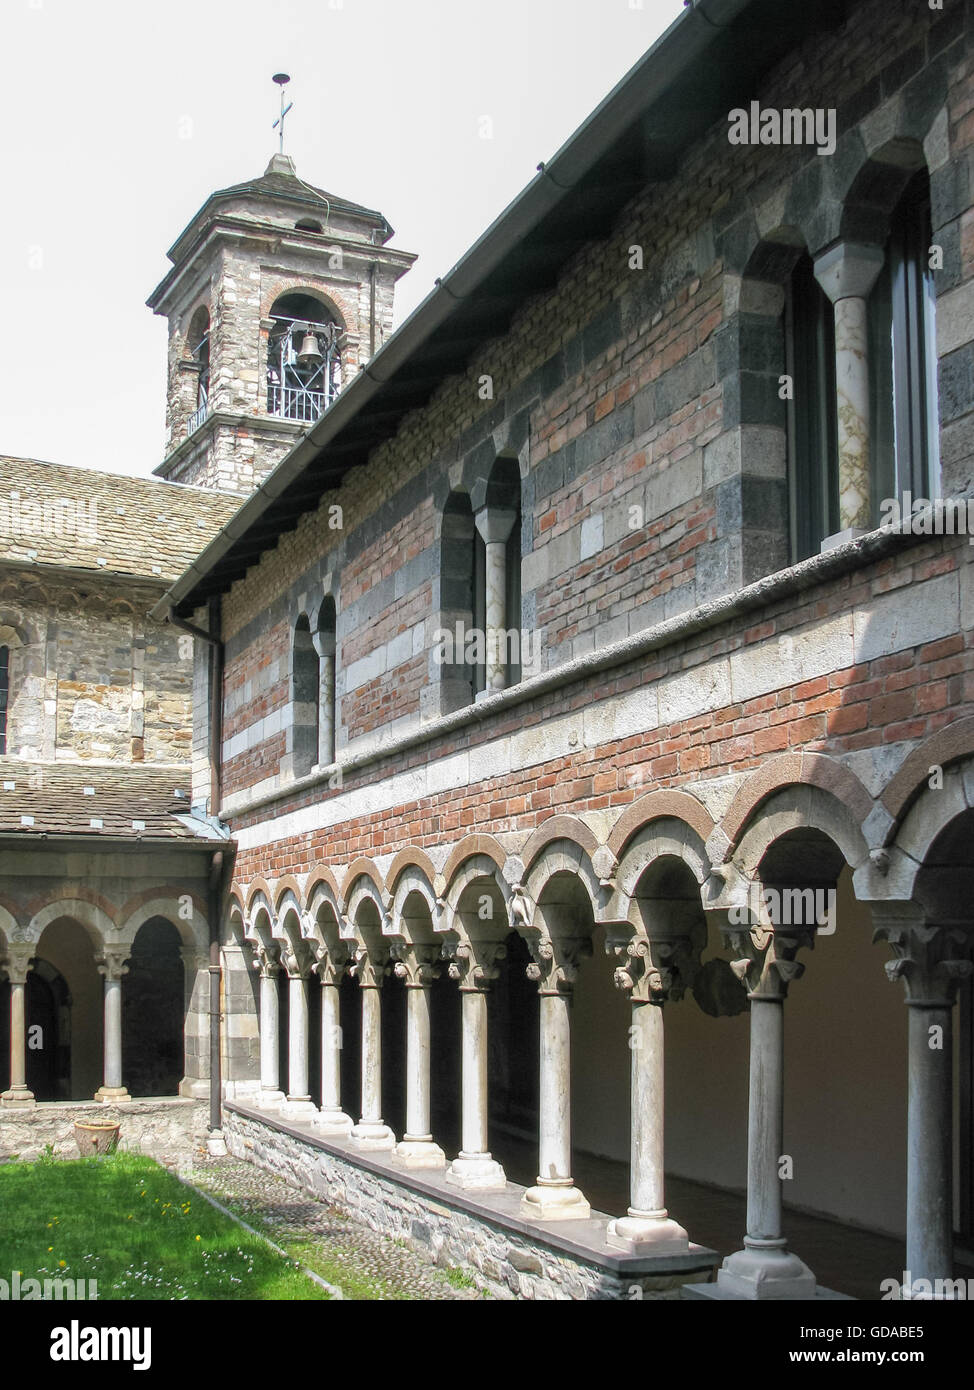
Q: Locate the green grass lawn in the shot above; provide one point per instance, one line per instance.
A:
(129, 1224)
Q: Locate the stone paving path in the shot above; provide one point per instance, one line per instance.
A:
(373, 1265)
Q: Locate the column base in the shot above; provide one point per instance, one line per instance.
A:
(372, 1134)
(420, 1153)
(765, 1272)
(269, 1100)
(216, 1145)
(111, 1095)
(476, 1173)
(646, 1233)
(333, 1122)
(299, 1108)
(17, 1098)
(550, 1203)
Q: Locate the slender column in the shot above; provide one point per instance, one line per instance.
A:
(765, 1268)
(474, 966)
(923, 961)
(324, 643)
(330, 968)
(555, 1196)
(17, 965)
(370, 1132)
(299, 1104)
(271, 1095)
(495, 525)
(112, 966)
(647, 1228)
(847, 272)
(415, 966)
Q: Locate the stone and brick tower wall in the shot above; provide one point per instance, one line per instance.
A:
(246, 248)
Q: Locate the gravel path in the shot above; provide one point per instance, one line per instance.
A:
(361, 1262)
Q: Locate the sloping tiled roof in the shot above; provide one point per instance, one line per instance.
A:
(78, 518)
(51, 798)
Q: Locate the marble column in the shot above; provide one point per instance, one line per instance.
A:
(928, 959)
(112, 964)
(17, 964)
(647, 1228)
(474, 966)
(765, 1268)
(555, 1196)
(298, 1105)
(271, 1095)
(415, 967)
(370, 1132)
(331, 1118)
(495, 525)
(325, 646)
(847, 272)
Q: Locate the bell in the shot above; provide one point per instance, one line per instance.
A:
(310, 353)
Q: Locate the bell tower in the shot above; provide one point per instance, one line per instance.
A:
(279, 293)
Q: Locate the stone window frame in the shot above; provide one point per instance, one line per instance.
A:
(304, 757)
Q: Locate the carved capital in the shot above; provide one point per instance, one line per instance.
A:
(17, 963)
(112, 961)
(331, 964)
(266, 961)
(765, 957)
(474, 963)
(927, 956)
(556, 962)
(296, 959)
(415, 964)
(653, 971)
(369, 967)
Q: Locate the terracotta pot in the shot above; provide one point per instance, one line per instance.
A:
(96, 1137)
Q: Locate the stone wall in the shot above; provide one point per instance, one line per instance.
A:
(171, 1130)
(485, 1237)
(93, 678)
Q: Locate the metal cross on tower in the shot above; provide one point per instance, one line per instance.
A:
(282, 79)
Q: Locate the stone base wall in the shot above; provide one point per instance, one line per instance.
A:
(452, 1232)
(169, 1129)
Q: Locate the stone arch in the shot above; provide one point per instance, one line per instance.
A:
(800, 808)
(261, 887)
(330, 300)
(359, 888)
(560, 827)
(929, 813)
(561, 855)
(285, 885)
(876, 183)
(952, 744)
(364, 868)
(484, 845)
(193, 931)
(95, 921)
(659, 805)
(842, 788)
(410, 858)
(663, 837)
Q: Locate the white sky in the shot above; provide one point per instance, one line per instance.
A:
(119, 117)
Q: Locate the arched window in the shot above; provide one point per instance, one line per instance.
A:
(811, 417)
(199, 346)
(904, 426)
(304, 369)
(327, 683)
(304, 699)
(4, 695)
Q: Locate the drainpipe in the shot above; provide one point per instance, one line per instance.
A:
(372, 309)
(215, 643)
(215, 1143)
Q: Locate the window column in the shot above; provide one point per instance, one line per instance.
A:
(495, 525)
(847, 272)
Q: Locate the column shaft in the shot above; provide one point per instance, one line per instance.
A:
(474, 1167)
(18, 1094)
(297, 1040)
(929, 1194)
(496, 587)
(270, 1061)
(555, 1197)
(370, 1131)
